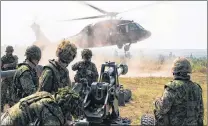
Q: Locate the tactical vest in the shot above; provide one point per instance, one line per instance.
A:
(17, 89)
(31, 109)
(59, 80)
(82, 73)
(186, 105)
(7, 60)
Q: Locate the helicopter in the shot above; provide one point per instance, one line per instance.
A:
(109, 32)
(103, 33)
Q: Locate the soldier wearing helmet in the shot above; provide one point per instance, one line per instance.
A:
(26, 78)
(181, 103)
(85, 69)
(8, 62)
(43, 108)
(56, 75)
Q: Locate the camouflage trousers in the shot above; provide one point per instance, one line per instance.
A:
(5, 92)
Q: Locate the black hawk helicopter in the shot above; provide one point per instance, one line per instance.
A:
(103, 33)
(109, 32)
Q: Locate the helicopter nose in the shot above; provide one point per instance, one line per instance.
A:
(148, 34)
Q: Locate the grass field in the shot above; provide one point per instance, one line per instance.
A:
(146, 89)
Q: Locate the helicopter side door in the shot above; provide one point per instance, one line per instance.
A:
(133, 32)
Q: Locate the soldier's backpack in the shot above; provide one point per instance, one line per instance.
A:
(35, 111)
(17, 91)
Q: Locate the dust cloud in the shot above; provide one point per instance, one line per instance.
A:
(139, 67)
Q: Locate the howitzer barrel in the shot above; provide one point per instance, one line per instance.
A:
(8, 73)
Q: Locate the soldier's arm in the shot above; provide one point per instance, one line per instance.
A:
(2, 62)
(164, 104)
(95, 72)
(75, 66)
(45, 81)
(201, 111)
(27, 83)
(14, 64)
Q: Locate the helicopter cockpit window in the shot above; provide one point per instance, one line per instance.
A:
(133, 26)
(139, 26)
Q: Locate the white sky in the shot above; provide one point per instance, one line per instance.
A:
(175, 24)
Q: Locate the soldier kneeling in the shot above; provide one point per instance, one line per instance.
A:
(42, 108)
(181, 103)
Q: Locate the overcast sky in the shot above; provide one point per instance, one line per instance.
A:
(175, 25)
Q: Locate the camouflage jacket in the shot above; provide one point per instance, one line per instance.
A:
(37, 109)
(25, 82)
(82, 67)
(53, 77)
(181, 104)
(10, 60)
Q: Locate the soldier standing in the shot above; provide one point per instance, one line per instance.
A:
(56, 75)
(182, 102)
(85, 69)
(8, 62)
(25, 78)
(43, 108)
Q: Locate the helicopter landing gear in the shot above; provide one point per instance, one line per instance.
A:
(127, 47)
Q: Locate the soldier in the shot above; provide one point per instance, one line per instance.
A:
(25, 78)
(56, 75)
(8, 62)
(182, 102)
(43, 108)
(85, 69)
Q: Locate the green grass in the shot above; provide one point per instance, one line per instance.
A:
(145, 90)
(199, 64)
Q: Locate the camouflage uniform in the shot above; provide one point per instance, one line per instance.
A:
(85, 69)
(11, 62)
(54, 75)
(181, 103)
(25, 78)
(42, 108)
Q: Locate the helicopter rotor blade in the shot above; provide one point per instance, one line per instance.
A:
(141, 7)
(96, 8)
(92, 17)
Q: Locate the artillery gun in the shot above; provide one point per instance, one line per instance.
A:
(101, 102)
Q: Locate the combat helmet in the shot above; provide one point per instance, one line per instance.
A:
(9, 49)
(69, 100)
(86, 54)
(33, 52)
(66, 51)
(181, 65)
